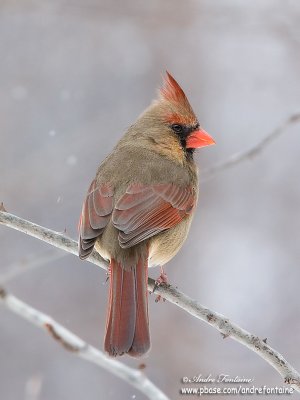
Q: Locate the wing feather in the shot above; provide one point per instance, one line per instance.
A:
(95, 215)
(144, 211)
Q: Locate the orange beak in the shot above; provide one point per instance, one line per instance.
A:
(199, 138)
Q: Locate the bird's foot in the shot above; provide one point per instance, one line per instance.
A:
(161, 280)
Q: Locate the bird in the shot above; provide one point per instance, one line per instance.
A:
(138, 210)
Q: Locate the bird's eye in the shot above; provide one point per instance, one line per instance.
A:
(177, 128)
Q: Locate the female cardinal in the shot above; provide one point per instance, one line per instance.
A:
(138, 210)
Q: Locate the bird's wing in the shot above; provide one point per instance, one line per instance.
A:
(95, 215)
(144, 211)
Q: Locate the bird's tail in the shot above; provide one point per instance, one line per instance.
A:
(127, 325)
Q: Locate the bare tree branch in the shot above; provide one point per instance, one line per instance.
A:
(31, 262)
(56, 239)
(254, 151)
(218, 321)
(82, 349)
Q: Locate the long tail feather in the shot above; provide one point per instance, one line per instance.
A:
(127, 326)
(141, 340)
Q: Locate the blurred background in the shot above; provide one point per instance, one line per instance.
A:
(74, 75)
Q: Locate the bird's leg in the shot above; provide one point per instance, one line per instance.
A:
(161, 280)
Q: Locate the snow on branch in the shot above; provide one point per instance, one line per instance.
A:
(218, 321)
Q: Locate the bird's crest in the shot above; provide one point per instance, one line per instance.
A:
(171, 91)
(179, 108)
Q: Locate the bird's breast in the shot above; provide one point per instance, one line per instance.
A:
(164, 246)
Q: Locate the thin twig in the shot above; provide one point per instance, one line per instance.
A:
(82, 349)
(254, 151)
(15, 269)
(218, 321)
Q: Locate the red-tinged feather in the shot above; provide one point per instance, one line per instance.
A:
(127, 241)
(130, 200)
(133, 218)
(87, 232)
(96, 212)
(110, 298)
(122, 310)
(135, 188)
(175, 105)
(96, 221)
(182, 198)
(178, 118)
(127, 326)
(102, 204)
(171, 91)
(141, 339)
(164, 206)
(106, 190)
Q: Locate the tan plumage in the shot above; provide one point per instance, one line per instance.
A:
(139, 208)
